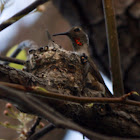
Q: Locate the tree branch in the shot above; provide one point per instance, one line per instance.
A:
(82, 100)
(21, 14)
(113, 47)
(13, 60)
(31, 104)
(32, 130)
(20, 47)
(23, 78)
(42, 132)
(61, 72)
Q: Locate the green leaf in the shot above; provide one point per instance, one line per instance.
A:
(39, 88)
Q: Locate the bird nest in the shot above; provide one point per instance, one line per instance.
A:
(63, 71)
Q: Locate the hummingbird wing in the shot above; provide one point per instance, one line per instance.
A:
(95, 72)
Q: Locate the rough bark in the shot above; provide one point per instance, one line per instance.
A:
(111, 119)
(89, 14)
(59, 70)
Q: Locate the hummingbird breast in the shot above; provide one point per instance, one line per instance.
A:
(82, 49)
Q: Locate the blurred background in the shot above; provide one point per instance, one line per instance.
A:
(32, 27)
(58, 16)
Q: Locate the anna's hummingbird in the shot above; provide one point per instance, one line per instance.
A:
(80, 43)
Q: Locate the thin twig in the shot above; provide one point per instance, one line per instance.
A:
(42, 132)
(31, 104)
(32, 130)
(20, 47)
(74, 99)
(13, 60)
(113, 47)
(21, 14)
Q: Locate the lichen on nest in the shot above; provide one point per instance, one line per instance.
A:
(62, 69)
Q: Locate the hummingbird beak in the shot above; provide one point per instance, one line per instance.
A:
(65, 33)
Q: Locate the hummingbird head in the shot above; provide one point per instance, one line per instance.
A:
(78, 37)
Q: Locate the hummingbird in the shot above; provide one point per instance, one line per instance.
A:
(80, 43)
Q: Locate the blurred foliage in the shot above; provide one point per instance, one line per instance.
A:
(22, 56)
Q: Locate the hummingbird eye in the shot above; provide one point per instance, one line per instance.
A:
(77, 30)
